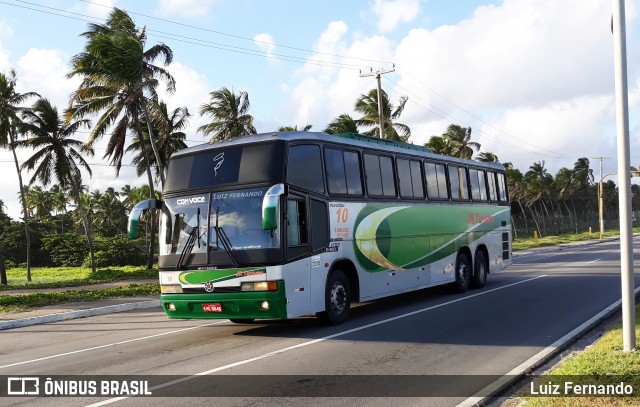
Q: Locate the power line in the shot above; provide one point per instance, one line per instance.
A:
(482, 121)
(197, 41)
(193, 41)
(444, 116)
(238, 36)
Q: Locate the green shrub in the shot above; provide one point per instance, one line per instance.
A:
(65, 249)
(116, 251)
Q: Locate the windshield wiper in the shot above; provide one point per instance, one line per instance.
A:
(222, 236)
(191, 241)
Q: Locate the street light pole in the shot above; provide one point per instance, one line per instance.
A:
(624, 177)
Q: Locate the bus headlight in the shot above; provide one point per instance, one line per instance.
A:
(171, 289)
(259, 286)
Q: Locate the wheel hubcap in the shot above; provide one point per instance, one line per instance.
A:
(463, 274)
(338, 297)
(482, 273)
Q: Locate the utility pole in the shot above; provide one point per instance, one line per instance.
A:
(600, 197)
(378, 75)
(624, 176)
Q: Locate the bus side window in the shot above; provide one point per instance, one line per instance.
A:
(436, 180)
(319, 225)
(409, 178)
(304, 167)
(458, 182)
(491, 182)
(478, 186)
(502, 188)
(296, 222)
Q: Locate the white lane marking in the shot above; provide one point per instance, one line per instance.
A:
(593, 261)
(524, 366)
(108, 345)
(314, 341)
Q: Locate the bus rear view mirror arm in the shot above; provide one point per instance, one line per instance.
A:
(136, 213)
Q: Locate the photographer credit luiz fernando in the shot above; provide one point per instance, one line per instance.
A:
(569, 388)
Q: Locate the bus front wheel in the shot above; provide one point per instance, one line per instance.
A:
(337, 300)
(241, 320)
(463, 274)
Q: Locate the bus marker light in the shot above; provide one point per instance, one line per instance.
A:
(264, 305)
(171, 306)
(259, 286)
(171, 289)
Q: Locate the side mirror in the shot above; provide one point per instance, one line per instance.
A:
(136, 212)
(270, 205)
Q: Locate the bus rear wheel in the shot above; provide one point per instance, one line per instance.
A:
(337, 299)
(463, 274)
(480, 270)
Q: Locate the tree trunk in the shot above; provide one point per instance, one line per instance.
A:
(3, 268)
(524, 216)
(24, 208)
(154, 147)
(152, 195)
(87, 226)
(535, 220)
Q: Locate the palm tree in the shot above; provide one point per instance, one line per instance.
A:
(460, 140)
(10, 110)
(39, 202)
(295, 128)
(119, 80)
(487, 157)
(539, 183)
(58, 156)
(171, 137)
(439, 145)
(229, 113)
(342, 124)
(368, 106)
(111, 214)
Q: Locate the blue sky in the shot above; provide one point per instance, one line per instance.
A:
(533, 78)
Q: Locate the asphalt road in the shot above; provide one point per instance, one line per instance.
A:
(519, 313)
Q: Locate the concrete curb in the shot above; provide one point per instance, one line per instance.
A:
(506, 382)
(64, 316)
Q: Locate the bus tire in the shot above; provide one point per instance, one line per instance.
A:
(337, 299)
(463, 274)
(241, 320)
(480, 270)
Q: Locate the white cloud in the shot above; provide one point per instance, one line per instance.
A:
(558, 133)
(522, 52)
(185, 8)
(98, 10)
(192, 90)
(5, 65)
(326, 91)
(265, 42)
(390, 13)
(44, 71)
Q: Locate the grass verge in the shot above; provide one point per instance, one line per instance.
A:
(522, 244)
(57, 277)
(22, 302)
(605, 363)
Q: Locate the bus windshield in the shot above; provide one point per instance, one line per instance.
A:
(221, 221)
(238, 215)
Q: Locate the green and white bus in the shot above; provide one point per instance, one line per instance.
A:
(281, 225)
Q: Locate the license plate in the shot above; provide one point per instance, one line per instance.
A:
(212, 307)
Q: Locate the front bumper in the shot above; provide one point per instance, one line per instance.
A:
(236, 305)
